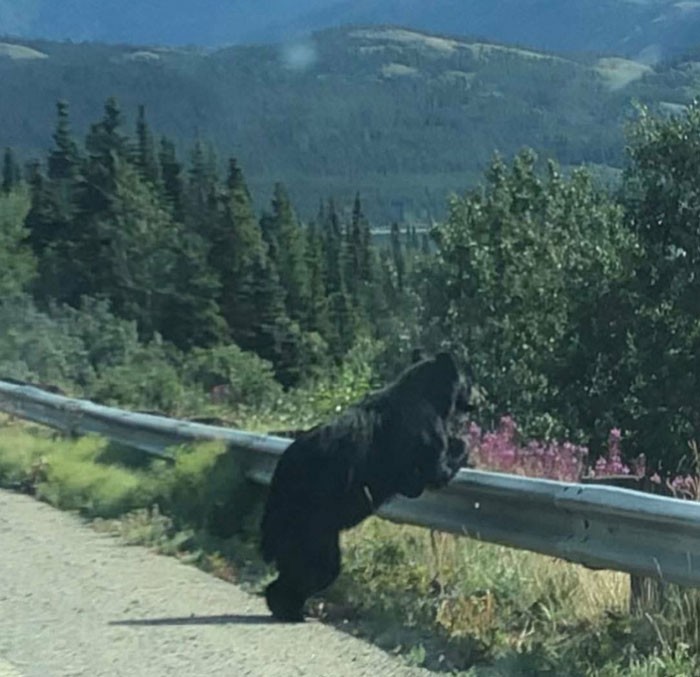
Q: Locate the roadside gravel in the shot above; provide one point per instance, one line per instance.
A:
(75, 602)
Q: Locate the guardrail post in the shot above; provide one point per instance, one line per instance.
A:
(646, 594)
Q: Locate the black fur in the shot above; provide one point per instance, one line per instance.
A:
(333, 476)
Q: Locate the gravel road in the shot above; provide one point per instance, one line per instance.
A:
(76, 602)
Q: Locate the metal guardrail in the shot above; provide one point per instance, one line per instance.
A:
(599, 527)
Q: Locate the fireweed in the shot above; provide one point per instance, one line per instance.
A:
(501, 450)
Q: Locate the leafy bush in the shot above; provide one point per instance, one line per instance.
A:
(17, 261)
(342, 385)
(241, 377)
(36, 347)
(108, 340)
(149, 379)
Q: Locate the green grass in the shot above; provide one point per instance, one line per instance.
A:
(451, 604)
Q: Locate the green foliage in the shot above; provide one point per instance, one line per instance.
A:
(341, 385)
(11, 173)
(662, 197)
(36, 347)
(64, 159)
(401, 120)
(200, 490)
(17, 262)
(521, 265)
(73, 481)
(135, 243)
(145, 151)
(148, 378)
(171, 171)
(249, 380)
(287, 249)
(185, 258)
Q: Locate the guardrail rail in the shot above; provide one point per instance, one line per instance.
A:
(598, 526)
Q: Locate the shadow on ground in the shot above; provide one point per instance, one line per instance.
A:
(226, 619)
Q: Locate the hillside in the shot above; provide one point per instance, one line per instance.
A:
(653, 28)
(402, 116)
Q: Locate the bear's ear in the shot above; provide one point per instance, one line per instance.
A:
(417, 355)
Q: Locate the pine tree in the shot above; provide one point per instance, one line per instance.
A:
(107, 147)
(397, 256)
(317, 319)
(203, 198)
(171, 173)
(145, 151)
(236, 245)
(94, 230)
(425, 244)
(54, 215)
(64, 158)
(414, 243)
(191, 313)
(333, 244)
(11, 174)
(286, 247)
(359, 261)
(364, 241)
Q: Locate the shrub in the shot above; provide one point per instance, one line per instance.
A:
(243, 377)
(150, 378)
(501, 450)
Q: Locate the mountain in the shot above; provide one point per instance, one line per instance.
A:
(405, 117)
(648, 29)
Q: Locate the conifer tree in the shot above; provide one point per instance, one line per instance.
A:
(363, 238)
(172, 180)
(191, 313)
(397, 256)
(359, 261)
(64, 158)
(333, 244)
(317, 319)
(53, 217)
(425, 244)
(286, 247)
(203, 198)
(414, 243)
(145, 151)
(236, 246)
(11, 174)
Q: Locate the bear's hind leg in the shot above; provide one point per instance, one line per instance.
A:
(284, 600)
(310, 568)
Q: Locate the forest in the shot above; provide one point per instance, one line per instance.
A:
(401, 116)
(131, 275)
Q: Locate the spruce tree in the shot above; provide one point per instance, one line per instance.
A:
(236, 246)
(172, 180)
(64, 158)
(203, 193)
(145, 151)
(397, 256)
(333, 245)
(317, 318)
(287, 251)
(11, 174)
(54, 215)
(191, 313)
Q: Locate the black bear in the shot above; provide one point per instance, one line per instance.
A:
(395, 441)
